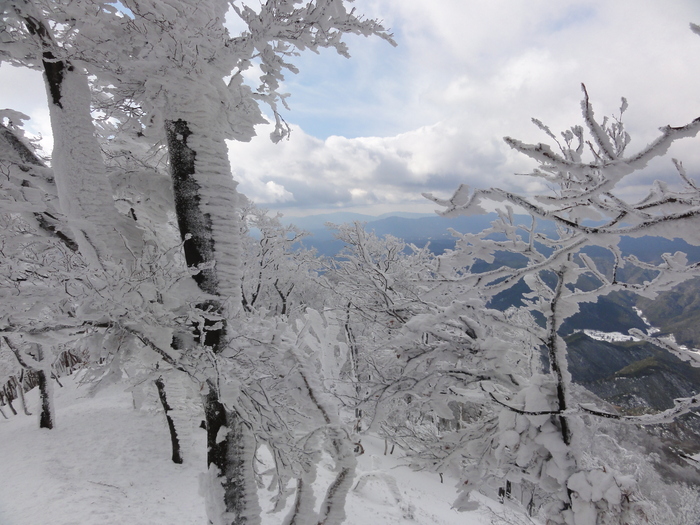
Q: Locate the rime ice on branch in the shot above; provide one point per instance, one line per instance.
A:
(543, 419)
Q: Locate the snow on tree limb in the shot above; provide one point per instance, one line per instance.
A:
(681, 406)
(539, 421)
(599, 135)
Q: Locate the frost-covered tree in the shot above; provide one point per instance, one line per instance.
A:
(57, 307)
(383, 278)
(375, 284)
(279, 274)
(419, 349)
(70, 212)
(33, 36)
(199, 110)
(541, 437)
(171, 71)
(33, 234)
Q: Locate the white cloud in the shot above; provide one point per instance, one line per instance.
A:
(22, 89)
(369, 171)
(277, 193)
(431, 113)
(468, 73)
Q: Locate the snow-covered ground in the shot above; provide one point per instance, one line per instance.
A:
(107, 463)
(612, 337)
(651, 330)
(609, 337)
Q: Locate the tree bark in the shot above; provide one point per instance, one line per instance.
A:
(20, 394)
(174, 440)
(205, 200)
(355, 368)
(233, 456)
(560, 369)
(558, 366)
(46, 419)
(46, 414)
(8, 400)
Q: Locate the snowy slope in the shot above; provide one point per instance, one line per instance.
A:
(105, 463)
(109, 464)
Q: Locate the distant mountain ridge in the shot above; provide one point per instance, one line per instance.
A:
(313, 223)
(414, 228)
(423, 228)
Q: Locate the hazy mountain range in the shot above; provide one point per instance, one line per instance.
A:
(422, 228)
(414, 228)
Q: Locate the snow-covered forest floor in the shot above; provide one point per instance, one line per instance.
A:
(107, 463)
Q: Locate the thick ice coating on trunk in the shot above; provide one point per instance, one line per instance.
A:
(81, 179)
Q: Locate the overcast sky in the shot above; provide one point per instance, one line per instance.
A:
(373, 132)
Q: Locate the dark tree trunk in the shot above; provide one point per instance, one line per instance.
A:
(284, 297)
(174, 440)
(19, 386)
(558, 368)
(195, 226)
(231, 454)
(354, 367)
(46, 419)
(54, 68)
(8, 399)
(46, 415)
(555, 365)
